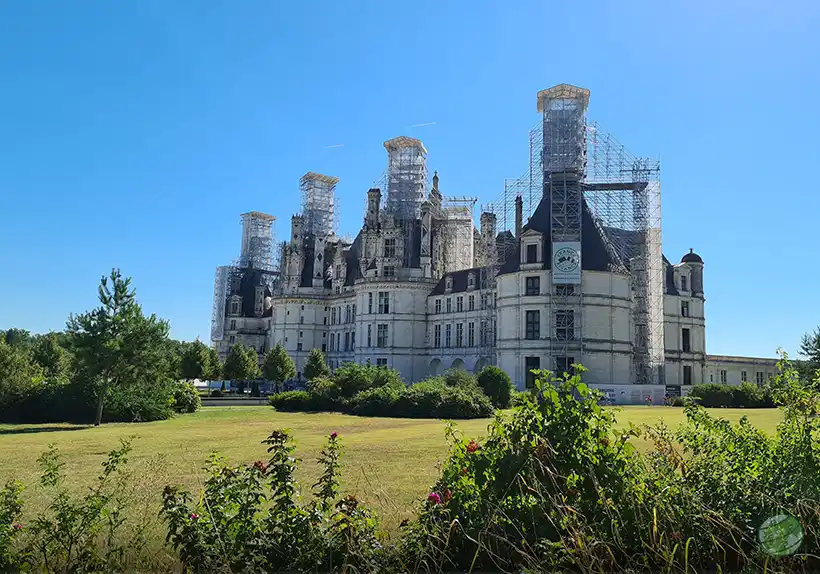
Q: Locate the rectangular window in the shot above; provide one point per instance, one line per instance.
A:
(347, 341)
(565, 325)
(742, 376)
(686, 341)
(370, 302)
(759, 377)
(332, 341)
(384, 302)
(354, 312)
(482, 333)
(324, 347)
(333, 316)
(438, 305)
(471, 334)
(564, 365)
(532, 325)
(684, 308)
(684, 283)
(381, 362)
(531, 364)
(532, 254)
(299, 346)
(459, 334)
(233, 324)
(471, 303)
(687, 375)
(347, 314)
(483, 300)
(564, 290)
(370, 335)
(389, 271)
(232, 339)
(533, 286)
(324, 320)
(448, 331)
(302, 320)
(381, 335)
(352, 340)
(390, 247)
(459, 304)
(470, 280)
(449, 304)
(437, 336)
(723, 377)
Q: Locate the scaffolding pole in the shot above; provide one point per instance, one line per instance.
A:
(319, 205)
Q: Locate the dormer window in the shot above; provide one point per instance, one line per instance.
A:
(390, 247)
(684, 283)
(471, 280)
(532, 253)
(448, 283)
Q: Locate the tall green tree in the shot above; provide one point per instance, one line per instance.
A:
(315, 365)
(196, 361)
(810, 351)
(116, 344)
(20, 374)
(240, 365)
(18, 337)
(214, 365)
(53, 358)
(278, 367)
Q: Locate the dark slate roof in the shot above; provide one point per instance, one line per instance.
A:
(691, 257)
(459, 281)
(594, 253)
(671, 289)
(246, 281)
(352, 260)
(307, 269)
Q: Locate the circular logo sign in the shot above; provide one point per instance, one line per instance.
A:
(780, 535)
(566, 260)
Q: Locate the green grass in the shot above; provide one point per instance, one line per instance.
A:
(389, 463)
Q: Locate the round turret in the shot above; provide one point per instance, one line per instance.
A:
(691, 257)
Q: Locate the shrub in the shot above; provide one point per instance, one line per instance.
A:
(291, 401)
(745, 395)
(518, 398)
(386, 376)
(186, 398)
(352, 378)
(378, 401)
(459, 378)
(325, 394)
(249, 518)
(497, 385)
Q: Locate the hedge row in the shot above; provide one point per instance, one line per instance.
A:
(746, 395)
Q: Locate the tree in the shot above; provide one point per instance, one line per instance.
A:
(315, 365)
(214, 365)
(252, 358)
(278, 366)
(20, 375)
(240, 365)
(810, 349)
(18, 337)
(196, 361)
(116, 345)
(53, 358)
(497, 385)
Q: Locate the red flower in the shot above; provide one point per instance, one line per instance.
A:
(434, 498)
(472, 447)
(260, 465)
(17, 526)
(194, 516)
(334, 434)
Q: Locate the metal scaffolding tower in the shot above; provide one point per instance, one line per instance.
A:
(457, 232)
(319, 206)
(406, 177)
(220, 296)
(257, 241)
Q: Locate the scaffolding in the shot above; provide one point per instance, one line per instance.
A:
(406, 177)
(220, 297)
(457, 232)
(319, 206)
(257, 241)
(623, 192)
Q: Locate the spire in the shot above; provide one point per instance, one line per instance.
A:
(435, 180)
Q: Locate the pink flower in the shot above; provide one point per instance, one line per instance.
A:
(334, 434)
(260, 465)
(472, 447)
(17, 526)
(194, 516)
(434, 498)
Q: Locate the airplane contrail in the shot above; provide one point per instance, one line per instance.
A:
(422, 125)
(335, 145)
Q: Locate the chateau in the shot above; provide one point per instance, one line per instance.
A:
(566, 268)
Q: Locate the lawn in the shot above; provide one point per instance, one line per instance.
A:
(389, 463)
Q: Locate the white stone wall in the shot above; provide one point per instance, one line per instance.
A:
(467, 354)
(730, 370)
(250, 331)
(605, 323)
(298, 323)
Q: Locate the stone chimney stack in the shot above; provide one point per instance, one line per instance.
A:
(519, 216)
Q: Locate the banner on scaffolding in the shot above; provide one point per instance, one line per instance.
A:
(566, 263)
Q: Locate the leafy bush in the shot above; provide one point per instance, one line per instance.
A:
(459, 378)
(378, 401)
(249, 518)
(291, 401)
(497, 385)
(518, 398)
(431, 398)
(745, 395)
(325, 394)
(352, 378)
(186, 398)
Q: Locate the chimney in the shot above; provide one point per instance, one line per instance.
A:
(519, 216)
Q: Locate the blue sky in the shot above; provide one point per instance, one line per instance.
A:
(133, 134)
